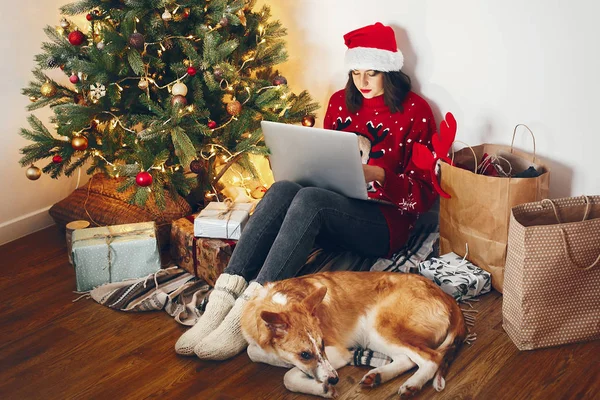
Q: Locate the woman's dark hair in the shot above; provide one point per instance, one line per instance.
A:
(396, 85)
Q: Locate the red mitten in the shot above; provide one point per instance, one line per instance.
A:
(424, 159)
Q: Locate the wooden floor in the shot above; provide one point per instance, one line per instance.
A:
(54, 348)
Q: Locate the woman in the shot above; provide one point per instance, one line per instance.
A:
(377, 105)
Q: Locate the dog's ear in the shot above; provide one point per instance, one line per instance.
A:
(275, 322)
(314, 299)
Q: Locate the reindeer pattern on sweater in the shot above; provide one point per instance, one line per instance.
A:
(386, 140)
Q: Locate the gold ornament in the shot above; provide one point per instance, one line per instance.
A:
(33, 99)
(241, 16)
(33, 173)
(258, 192)
(227, 98)
(48, 89)
(308, 120)
(79, 143)
(143, 84)
(234, 108)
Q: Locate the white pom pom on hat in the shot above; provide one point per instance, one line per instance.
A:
(373, 47)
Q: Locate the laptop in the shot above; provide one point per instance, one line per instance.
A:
(316, 157)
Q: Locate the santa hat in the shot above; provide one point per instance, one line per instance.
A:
(373, 47)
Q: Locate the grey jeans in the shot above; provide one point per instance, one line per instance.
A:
(290, 219)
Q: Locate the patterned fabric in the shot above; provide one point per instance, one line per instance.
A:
(552, 278)
(203, 257)
(369, 358)
(386, 140)
(419, 246)
(457, 276)
(175, 290)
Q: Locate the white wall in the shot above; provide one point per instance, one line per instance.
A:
(493, 64)
(24, 203)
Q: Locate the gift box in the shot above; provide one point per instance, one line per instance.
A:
(456, 276)
(114, 253)
(222, 220)
(206, 258)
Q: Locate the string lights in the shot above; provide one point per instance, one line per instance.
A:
(152, 60)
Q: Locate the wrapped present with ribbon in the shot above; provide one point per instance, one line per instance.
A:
(206, 258)
(457, 276)
(114, 254)
(222, 220)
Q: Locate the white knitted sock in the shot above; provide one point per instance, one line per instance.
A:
(227, 340)
(227, 289)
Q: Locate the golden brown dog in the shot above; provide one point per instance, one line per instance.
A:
(309, 323)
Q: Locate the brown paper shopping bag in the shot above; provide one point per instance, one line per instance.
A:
(552, 277)
(478, 212)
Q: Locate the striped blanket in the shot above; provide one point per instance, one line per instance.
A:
(173, 289)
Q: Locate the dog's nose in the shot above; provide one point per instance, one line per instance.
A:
(332, 380)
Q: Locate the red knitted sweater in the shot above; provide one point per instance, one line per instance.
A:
(386, 140)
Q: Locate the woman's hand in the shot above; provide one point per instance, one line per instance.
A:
(373, 173)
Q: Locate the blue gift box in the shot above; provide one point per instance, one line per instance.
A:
(114, 253)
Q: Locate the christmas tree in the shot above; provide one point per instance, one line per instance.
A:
(168, 95)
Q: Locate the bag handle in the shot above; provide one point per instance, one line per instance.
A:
(472, 151)
(513, 139)
(588, 203)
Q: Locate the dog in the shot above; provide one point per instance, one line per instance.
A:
(308, 324)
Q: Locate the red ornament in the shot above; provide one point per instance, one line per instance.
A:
(143, 179)
(89, 17)
(279, 80)
(191, 71)
(76, 38)
(74, 78)
(212, 124)
(186, 13)
(57, 159)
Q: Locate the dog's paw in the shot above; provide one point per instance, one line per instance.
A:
(329, 391)
(407, 391)
(371, 380)
(439, 383)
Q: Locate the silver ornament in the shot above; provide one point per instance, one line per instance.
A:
(100, 45)
(166, 16)
(97, 91)
(179, 89)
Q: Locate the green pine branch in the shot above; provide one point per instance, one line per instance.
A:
(131, 128)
